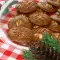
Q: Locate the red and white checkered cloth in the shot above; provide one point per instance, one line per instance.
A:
(9, 52)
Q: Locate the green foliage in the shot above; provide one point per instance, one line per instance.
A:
(48, 40)
(28, 55)
(6, 11)
(51, 41)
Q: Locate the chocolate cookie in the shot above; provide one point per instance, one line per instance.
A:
(55, 27)
(38, 32)
(40, 18)
(55, 3)
(46, 7)
(20, 35)
(26, 7)
(20, 20)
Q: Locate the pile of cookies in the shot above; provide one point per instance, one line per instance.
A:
(33, 20)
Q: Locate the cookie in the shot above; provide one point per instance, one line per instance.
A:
(26, 7)
(40, 18)
(55, 3)
(38, 32)
(55, 27)
(45, 7)
(20, 35)
(20, 20)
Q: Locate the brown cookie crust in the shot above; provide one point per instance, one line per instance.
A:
(40, 18)
(46, 6)
(20, 35)
(55, 27)
(20, 20)
(26, 7)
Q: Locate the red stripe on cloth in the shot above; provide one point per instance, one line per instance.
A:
(1, 41)
(12, 9)
(5, 21)
(9, 15)
(8, 53)
(6, 30)
(19, 57)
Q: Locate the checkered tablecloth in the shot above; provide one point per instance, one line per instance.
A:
(9, 52)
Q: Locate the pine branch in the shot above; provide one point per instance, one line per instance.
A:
(51, 41)
(28, 55)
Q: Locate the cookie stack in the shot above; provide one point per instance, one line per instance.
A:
(33, 20)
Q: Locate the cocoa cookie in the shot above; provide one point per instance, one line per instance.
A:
(55, 27)
(55, 3)
(46, 6)
(20, 20)
(26, 7)
(38, 32)
(40, 18)
(20, 35)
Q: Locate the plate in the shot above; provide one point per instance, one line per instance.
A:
(4, 18)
